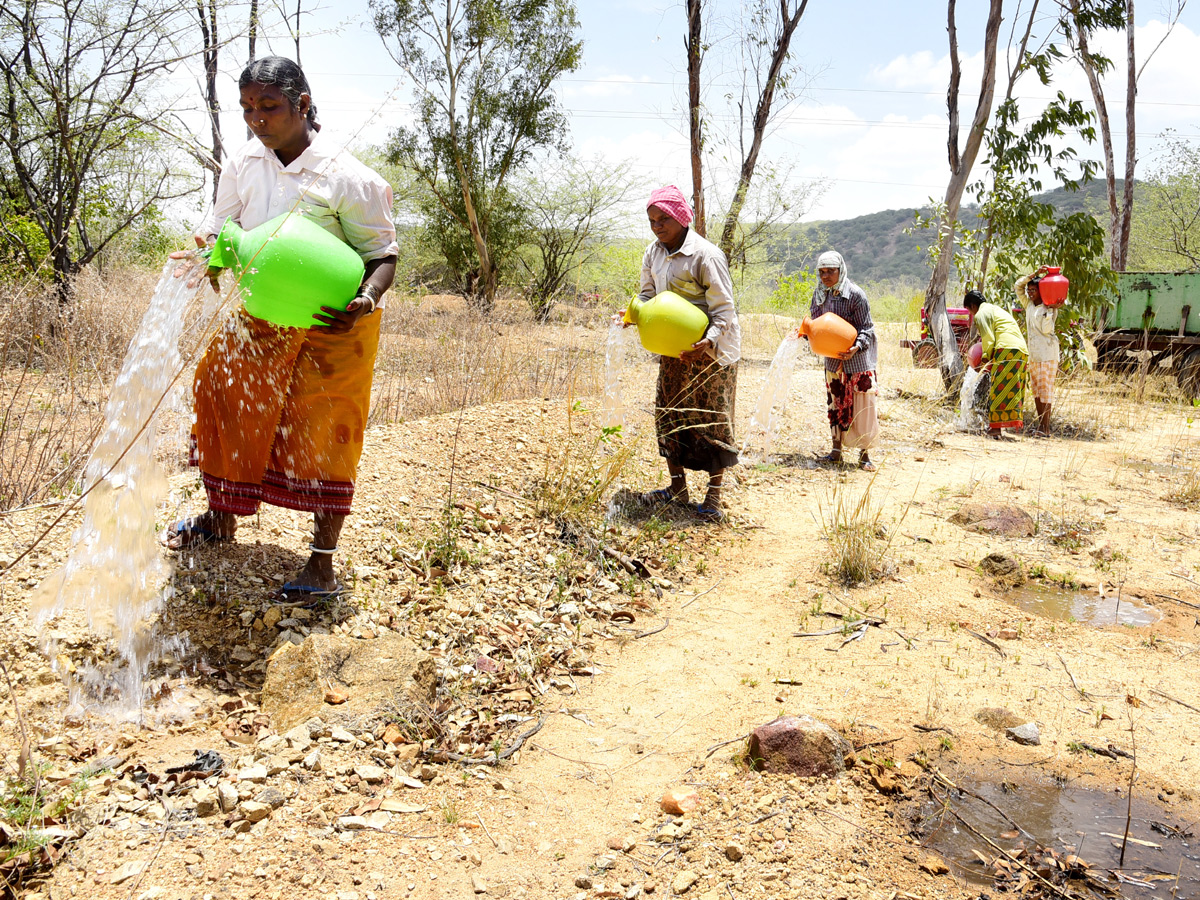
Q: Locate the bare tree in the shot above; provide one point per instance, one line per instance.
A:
(206, 14)
(1080, 20)
(778, 39)
(573, 211)
(961, 164)
(695, 55)
(84, 150)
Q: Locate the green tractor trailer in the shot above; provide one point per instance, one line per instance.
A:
(1156, 317)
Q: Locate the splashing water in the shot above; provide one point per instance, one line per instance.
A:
(117, 575)
(772, 402)
(612, 412)
(969, 416)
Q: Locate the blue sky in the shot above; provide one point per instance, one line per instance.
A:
(869, 127)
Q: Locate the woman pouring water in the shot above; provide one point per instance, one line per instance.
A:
(280, 412)
(694, 400)
(850, 380)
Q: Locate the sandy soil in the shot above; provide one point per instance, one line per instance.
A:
(575, 812)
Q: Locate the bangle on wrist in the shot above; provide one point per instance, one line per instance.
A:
(370, 293)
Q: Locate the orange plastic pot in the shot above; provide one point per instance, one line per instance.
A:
(828, 334)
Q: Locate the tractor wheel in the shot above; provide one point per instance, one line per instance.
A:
(925, 355)
(1187, 374)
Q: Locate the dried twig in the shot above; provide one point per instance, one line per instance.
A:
(1174, 599)
(497, 758)
(702, 593)
(662, 627)
(1174, 700)
(715, 747)
(988, 641)
(483, 825)
(1082, 693)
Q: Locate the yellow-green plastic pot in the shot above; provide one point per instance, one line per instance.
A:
(667, 324)
(288, 268)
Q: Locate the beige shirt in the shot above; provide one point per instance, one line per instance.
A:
(325, 183)
(698, 272)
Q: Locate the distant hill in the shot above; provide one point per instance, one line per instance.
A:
(876, 247)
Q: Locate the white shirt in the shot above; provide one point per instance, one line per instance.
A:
(1039, 329)
(327, 184)
(698, 272)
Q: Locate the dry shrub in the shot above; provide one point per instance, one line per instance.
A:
(437, 355)
(579, 473)
(857, 536)
(56, 368)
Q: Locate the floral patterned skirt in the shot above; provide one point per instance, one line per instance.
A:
(840, 389)
(693, 413)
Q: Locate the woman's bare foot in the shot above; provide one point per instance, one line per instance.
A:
(195, 531)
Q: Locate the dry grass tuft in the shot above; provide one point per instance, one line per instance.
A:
(857, 537)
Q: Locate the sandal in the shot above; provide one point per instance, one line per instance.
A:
(293, 594)
(710, 513)
(191, 533)
(831, 458)
(866, 465)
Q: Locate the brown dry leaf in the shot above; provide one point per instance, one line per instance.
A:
(1133, 701)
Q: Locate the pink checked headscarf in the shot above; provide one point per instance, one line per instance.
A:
(670, 200)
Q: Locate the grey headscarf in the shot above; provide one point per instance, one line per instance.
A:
(831, 259)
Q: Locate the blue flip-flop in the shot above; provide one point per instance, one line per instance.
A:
(305, 595)
(710, 513)
(193, 534)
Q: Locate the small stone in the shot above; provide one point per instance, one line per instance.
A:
(128, 870)
(393, 734)
(336, 696)
(798, 745)
(734, 852)
(1025, 734)
(478, 885)
(227, 796)
(679, 800)
(583, 882)
(255, 811)
(371, 774)
(271, 617)
(312, 762)
(298, 738)
(206, 800)
(884, 782)
(341, 735)
(1007, 634)
(624, 844)
(272, 797)
(684, 881)
(253, 774)
(933, 866)
(604, 863)
(352, 823)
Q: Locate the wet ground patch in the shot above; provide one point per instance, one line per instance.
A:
(1043, 836)
(1090, 607)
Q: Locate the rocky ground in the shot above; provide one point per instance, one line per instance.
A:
(499, 707)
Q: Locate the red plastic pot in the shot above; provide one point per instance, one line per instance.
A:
(1053, 287)
(975, 355)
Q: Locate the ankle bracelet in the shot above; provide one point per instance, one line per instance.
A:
(315, 549)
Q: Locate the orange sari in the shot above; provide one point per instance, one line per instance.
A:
(280, 415)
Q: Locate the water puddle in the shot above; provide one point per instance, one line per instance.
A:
(117, 576)
(767, 418)
(1068, 834)
(1090, 608)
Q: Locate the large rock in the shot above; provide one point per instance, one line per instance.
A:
(995, 518)
(377, 673)
(798, 745)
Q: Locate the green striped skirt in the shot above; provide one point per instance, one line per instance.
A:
(1006, 407)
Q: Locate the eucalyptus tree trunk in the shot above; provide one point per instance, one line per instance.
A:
(949, 359)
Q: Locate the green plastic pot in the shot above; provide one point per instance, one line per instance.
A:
(667, 324)
(288, 268)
